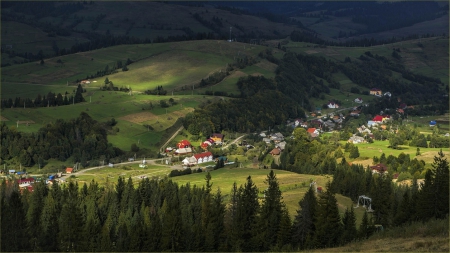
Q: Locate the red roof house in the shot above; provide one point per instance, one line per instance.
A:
(184, 144)
(69, 170)
(378, 118)
(379, 168)
(25, 181)
(275, 151)
(204, 157)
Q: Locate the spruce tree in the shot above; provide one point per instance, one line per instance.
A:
(13, 225)
(349, 221)
(303, 227)
(270, 213)
(328, 225)
(246, 215)
(49, 224)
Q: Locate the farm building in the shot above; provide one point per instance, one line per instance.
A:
(432, 123)
(69, 170)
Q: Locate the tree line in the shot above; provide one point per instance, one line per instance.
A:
(82, 138)
(51, 99)
(159, 215)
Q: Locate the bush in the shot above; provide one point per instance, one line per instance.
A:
(175, 173)
(404, 176)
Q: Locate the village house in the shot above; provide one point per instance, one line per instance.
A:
(281, 145)
(388, 94)
(379, 168)
(313, 132)
(356, 139)
(376, 92)
(217, 138)
(262, 134)
(358, 100)
(355, 113)
(69, 170)
(372, 123)
(332, 105)
(275, 151)
(266, 140)
(204, 157)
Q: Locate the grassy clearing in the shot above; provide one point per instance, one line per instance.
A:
(368, 150)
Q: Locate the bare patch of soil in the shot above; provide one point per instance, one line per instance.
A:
(139, 117)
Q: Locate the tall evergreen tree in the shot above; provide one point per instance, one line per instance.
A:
(49, 224)
(349, 221)
(304, 222)
(270, 214)
(328, 225)
(246, 217)
(13, 225)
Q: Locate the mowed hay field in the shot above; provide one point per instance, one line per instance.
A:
(172, 65)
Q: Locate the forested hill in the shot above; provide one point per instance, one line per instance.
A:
(82, 138)
(299, 78)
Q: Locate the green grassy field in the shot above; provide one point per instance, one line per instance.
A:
(107, 175)
(368, 150)
(172, 65)
(291, 185)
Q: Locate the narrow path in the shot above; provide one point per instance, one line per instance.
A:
(170, 139)
(234, 141)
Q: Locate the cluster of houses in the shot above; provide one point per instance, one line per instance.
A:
(184, 147)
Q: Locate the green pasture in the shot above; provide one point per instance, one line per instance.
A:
(368, 150)
(130, 112)
(172, 65)
(227, 85)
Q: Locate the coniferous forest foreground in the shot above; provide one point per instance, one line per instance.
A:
(163, 216)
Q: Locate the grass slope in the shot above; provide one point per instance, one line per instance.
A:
(431, 236)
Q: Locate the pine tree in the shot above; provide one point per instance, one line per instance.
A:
(270, 214)
(433, 198)
(246, 214)
(303, 227)
(402, 215)
(364, 231)
(33, 216)
(49, 224)
(13, 225)
(328, 225)
(349, 221)
(70, 226)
